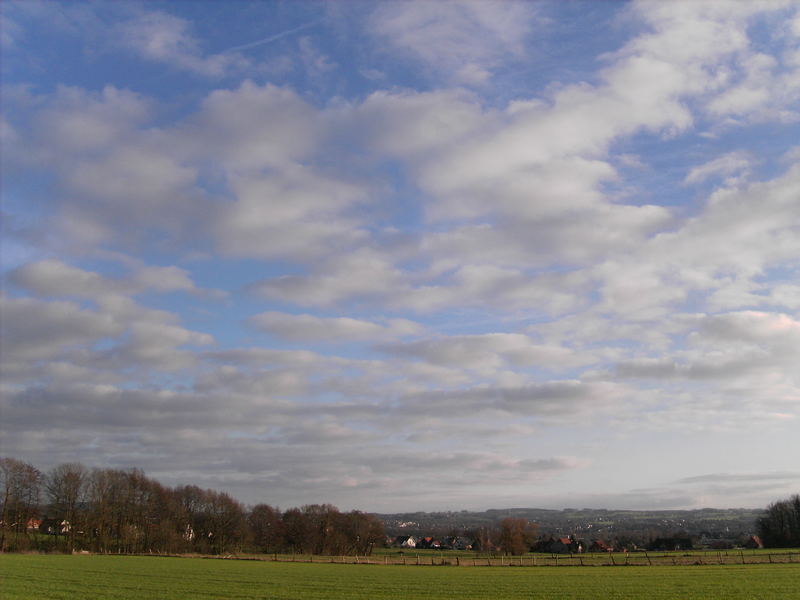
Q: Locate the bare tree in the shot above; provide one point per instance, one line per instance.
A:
(516, 535)
(266, 527)
(66, 487)
(780, 525)
(20, 485)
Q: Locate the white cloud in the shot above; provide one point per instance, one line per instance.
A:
(463, 39)
(252, 128)
(167, 39)
(114, 334)
(728, 165)
(296, 213)
(408, 124)
(79, 121)
(310, 328)
(744, 231)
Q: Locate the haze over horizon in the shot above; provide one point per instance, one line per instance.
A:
(401, 256)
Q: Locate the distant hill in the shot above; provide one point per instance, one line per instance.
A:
(587, 523)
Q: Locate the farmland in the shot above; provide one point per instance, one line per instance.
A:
(65, 577)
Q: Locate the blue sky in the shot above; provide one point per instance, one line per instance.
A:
(406, 256)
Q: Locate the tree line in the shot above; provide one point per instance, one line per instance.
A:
(73, 508)
(779, 527)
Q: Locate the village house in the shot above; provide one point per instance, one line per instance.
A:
(404, 541)
(600, 546)
(33, 524)
(54, 526)
(562, 545)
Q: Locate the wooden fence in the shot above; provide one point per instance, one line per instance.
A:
(552, 560)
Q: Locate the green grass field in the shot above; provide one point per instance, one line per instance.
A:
(59, 577)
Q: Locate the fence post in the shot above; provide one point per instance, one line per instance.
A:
(647, 556)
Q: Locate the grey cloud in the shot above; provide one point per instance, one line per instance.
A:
(85, 407)
(772, 329)
(726, 346)
(488, 351)
(741, 477)
(758, 488)
(474, 464)
(649, 368)
(34, 329)
(708, 367)
(270, 356)
(258, 385)
(54, 278)
(552, 400)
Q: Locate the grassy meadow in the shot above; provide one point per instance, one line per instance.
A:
(65, 577)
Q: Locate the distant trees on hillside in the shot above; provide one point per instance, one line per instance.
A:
(124, 511)
(780, 525)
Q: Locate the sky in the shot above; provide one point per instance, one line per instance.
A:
(400, 256)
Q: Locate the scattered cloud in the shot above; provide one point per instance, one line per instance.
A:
(348, 261)
(728, 165)
(164, 38)
(464, 40)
